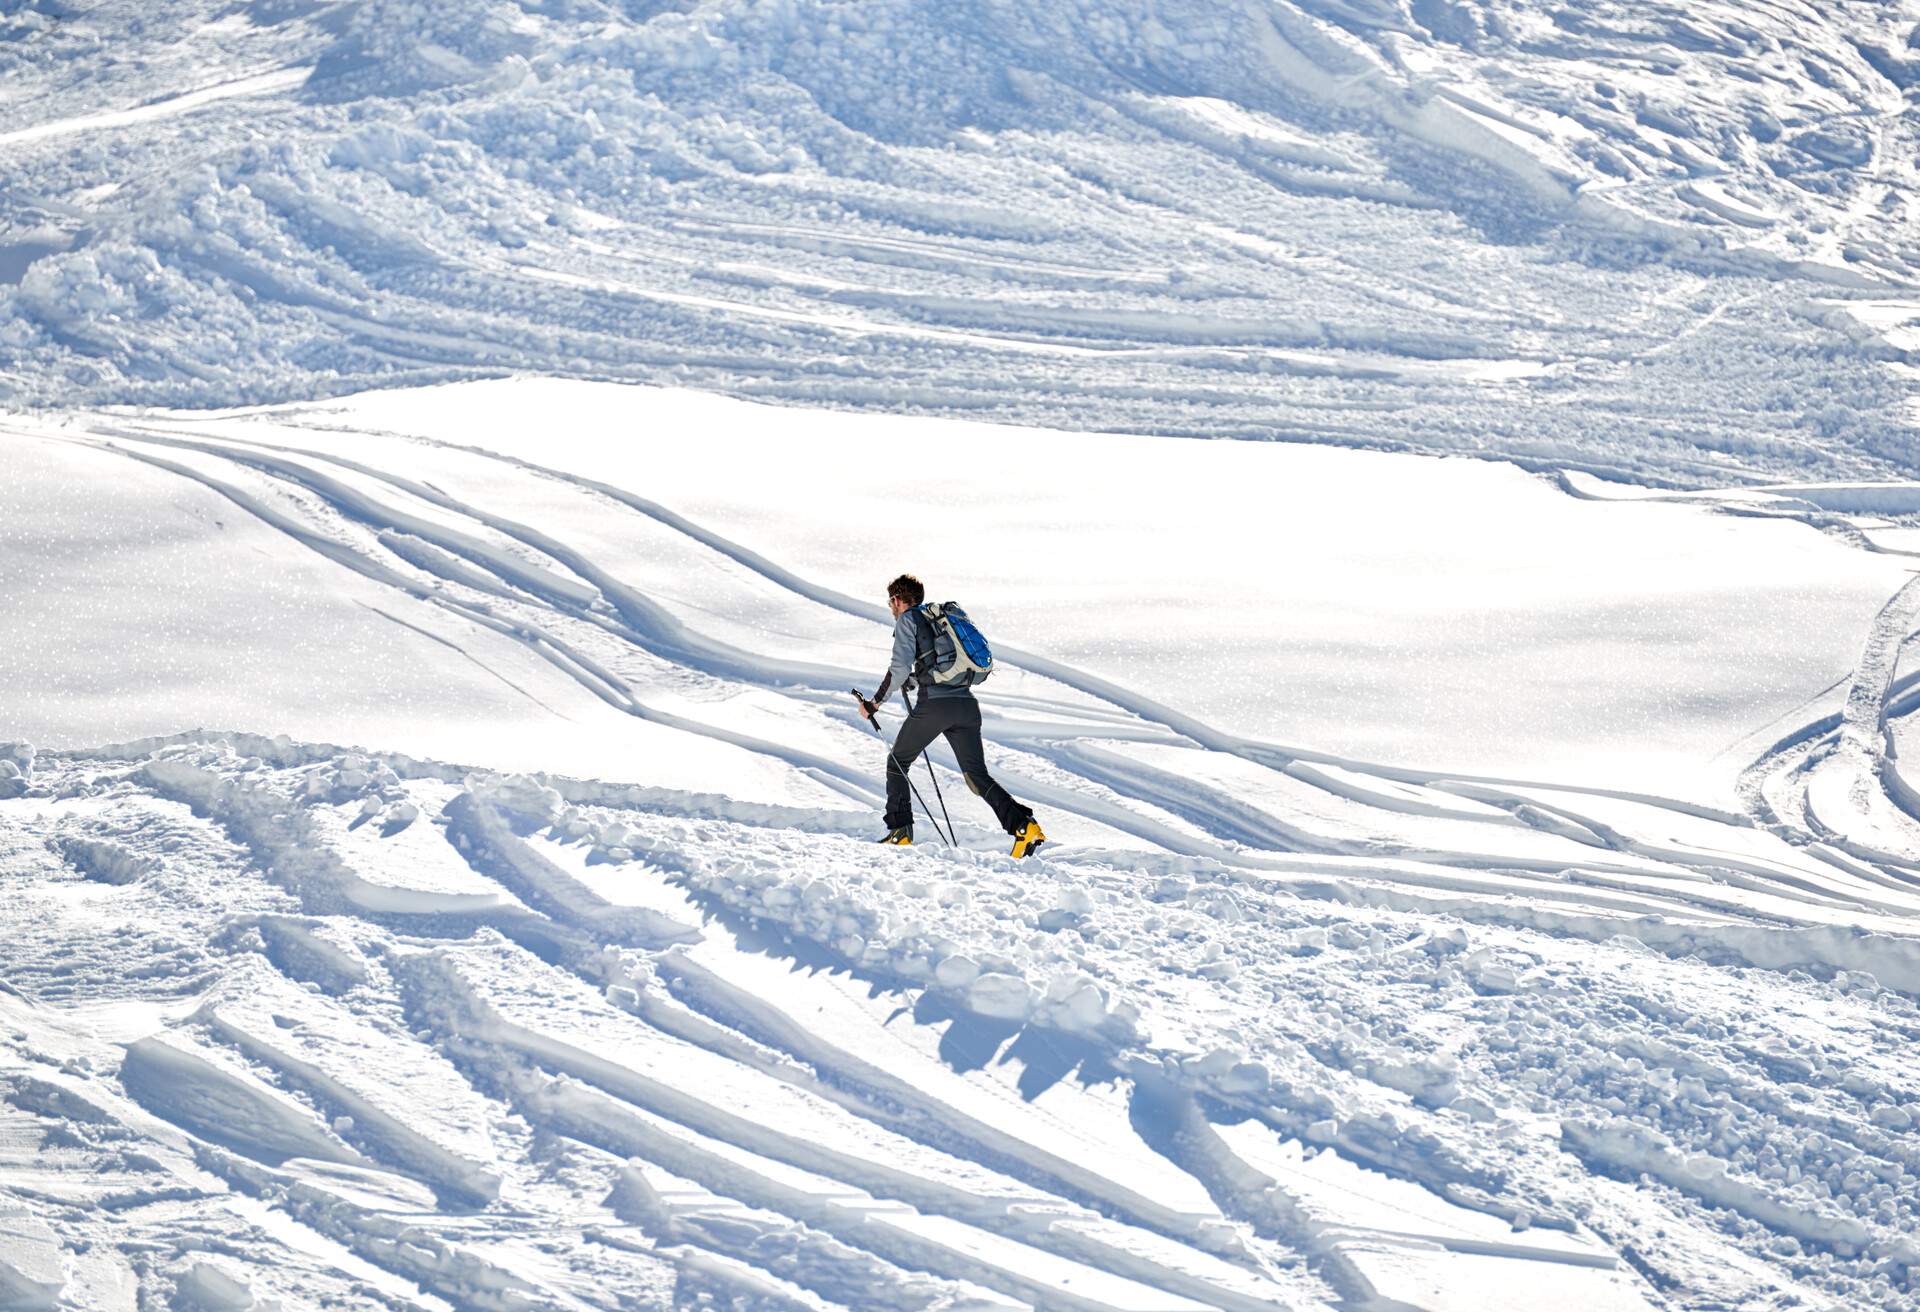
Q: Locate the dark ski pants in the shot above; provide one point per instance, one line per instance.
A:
(959, 719)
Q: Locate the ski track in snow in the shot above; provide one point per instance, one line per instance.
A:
(1278, 1029)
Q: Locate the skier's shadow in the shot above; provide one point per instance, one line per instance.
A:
(970, 1042)
(973, 1042)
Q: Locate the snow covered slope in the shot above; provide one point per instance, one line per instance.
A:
(434, 833)
(1452, 615)
(341, 1003)
(1673, 240)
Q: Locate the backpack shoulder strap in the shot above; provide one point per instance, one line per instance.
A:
(922, 636)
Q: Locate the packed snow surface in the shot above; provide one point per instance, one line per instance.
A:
(1455, 615)
(529, 949)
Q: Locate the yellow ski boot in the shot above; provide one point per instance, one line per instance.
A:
(1028, 840)
(901, 837)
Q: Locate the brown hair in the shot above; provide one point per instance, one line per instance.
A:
(908, 588)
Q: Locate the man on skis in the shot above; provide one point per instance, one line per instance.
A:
(945, 708)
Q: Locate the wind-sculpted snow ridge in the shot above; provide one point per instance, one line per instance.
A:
(1268, 1028)
(1656, 240)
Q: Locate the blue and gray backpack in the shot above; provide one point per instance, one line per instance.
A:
(960, 656)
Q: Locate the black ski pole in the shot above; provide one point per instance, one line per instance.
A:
(936, 782)
(943, 801)
(875, 723)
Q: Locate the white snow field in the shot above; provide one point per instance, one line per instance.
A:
(451, 457)
(1464, 894)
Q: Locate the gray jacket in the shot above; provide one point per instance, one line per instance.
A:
(912, 652)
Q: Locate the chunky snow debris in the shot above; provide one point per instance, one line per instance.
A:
(1609, 237)
(1111, 1079)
